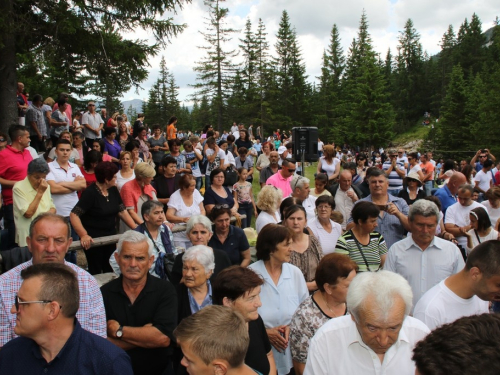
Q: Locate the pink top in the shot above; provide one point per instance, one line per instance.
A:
(278, 181)
(13, 167)
(131, 193)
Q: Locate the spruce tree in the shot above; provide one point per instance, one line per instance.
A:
(263, 74)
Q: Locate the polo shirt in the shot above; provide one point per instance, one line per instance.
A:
(235, 243)
(338, 348)
(265, 173)
(94, 121)
(13, 167)
(445, 197)
(428, 168)
(156, 305)
(424, 268)
(327, 240)
(84, 353)
(23, 195)
(279, 182)
(64, 202)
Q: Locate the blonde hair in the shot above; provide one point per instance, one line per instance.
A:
(329, 151)
(144, 170)
(269, 198)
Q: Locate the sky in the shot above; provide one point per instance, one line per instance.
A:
(313, 21)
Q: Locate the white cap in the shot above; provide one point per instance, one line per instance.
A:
(281, 149)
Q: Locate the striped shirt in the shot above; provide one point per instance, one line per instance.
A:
(395, 180)
(377, 247)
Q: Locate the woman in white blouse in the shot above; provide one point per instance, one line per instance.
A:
(329, 163)
(325, 229)
(268, 200)
(481, 229)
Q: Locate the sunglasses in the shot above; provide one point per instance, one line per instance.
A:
(17, 302)
(3, 140)
(291, 170)
(219, 206)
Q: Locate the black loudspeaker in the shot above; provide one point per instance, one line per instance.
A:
(305, 140)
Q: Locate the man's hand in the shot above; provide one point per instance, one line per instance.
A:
(392, 209)
(112, 327)
(78, 178)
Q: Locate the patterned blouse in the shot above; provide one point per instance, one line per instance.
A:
(306, 320)
(308, 261)
(373, 252)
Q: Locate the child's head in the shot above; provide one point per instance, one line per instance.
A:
(194, 139)
(337, 217)
(475, 195)
(242, 152)
(188, 146)
(257, 141)
(320, 182)
(243, 173)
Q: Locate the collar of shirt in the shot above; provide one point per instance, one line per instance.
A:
(118, 288)
(74, 337)
(207, 301)
(355, 337)
(434, 244)
(280, 176)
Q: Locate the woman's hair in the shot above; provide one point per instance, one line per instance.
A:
(448, 165)
(234, 282)
(123, 153)
(198, 219)
(215, 172)
(168, 160)
(219, 211)
(105, 170)
(482, 217)
(49, 101)
(203, 255)
(328, 199)
(247, 136)
(333, 267)
(38, 165)
(144, 170)
(269, 238)
(268, 198)
(493, 193)
(130, 146)
(231, 138)
(185, 181)
(413, 155)
(467, 171)
(141, 129)
(270, 144)
(172, 120)
(364, 210)
(288, 202)
(109, 130)
(70, 136)
(93, 156)
(174, 142)
(156, 126)
(293, 209)
(329, 151)
(321, 177)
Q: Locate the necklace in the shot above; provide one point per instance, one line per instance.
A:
(100, 191)
(329, 308)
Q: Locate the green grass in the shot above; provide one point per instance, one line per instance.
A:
(416, 132)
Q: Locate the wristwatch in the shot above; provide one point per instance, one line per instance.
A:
(119, 332)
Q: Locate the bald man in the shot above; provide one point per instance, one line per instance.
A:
(448, 193)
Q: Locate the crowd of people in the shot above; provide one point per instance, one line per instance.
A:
(368, 272)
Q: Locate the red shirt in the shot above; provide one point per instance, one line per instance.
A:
(14, 167)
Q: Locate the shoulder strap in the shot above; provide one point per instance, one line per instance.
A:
(477, 236)
(361, 251)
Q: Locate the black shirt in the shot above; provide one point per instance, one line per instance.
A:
(165, 187)
(259, 347)
(235, 243)
(156, 304)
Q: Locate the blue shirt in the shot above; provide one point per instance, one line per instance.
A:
(206, 302)
(84, 353)
(445, 197)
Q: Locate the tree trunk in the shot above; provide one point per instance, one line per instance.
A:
(8, 80)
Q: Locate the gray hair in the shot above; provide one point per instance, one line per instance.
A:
(466, 187)
(38, 165)
(199, 219)
(298, 181)
(425, 208)
(150, 205)
(131, 236)
(382, 286)
(203, 255)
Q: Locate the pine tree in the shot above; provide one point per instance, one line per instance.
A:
(263, 73)
(470, 46)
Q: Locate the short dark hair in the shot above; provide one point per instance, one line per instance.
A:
(109, 130)
(156, 126)
(216, 212)
(37, 98)
(269, 237)
(215, 172)
(132, 145)
(364, 210)
(332, 267)
(105, 170)
(372, 171)
(59, 283)
(487, 163)
(288, 161)
(468, 346)
(63, 142)
(148, 206)
(185, 181)
(486, 257)
(16, 131)
(293, 209)
(288, 202)
(322, 177)
(78, 134)
(233, 283)
(482, 217)
(328, 199)
(350, 165)
(172, 142)
(168, 160)
(93, 156)
(231, 138)
(61, 102)
(243, 150)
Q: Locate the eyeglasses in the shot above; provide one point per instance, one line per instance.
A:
(297, 181)
(3, 140)
(17, 302)
(219, 206)
(291, 170)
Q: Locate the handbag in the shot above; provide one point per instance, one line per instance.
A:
(231, 176)
(362, 254)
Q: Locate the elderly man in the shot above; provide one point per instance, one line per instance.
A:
(447, 195)
(281, 180)
(14, 160)
(345, 196)
(36, 124)
(52, 340)
(271, 169)
(48, 242)
(468, 346)
(422, 258)
(141, 310)
(457, 220)
(283, 154)
(392, 222)
(222, 353)
(377, 338)
(402, 158)
(395, 171)
(159, 233)
(92, 124)
(465, 293)
(301, 190)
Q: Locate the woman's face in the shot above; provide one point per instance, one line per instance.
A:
(157, 133)
(135, 153)
(494, 202)
(191, 188)
(248, 304)
(96, 146)
(243, 135)
(125, 161)
(361, 162)
(473, 222)
(193, 274)
(218, 179)
(222, 223)
(66, 136)
(111, 136)
(324, 211)
(77, 142)
(199, 235)
(282, 252)
(296, 221)
(36, 178)
(369, 225)
(170, 169)
(122, 127)
(142, 134)
(412, 183)
(143, 181)
(266, 149)
(223, 147)
(339, 290)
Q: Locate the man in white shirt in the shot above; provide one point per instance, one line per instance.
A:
(483, 179)
(345, 196)
(465, 293)
(457, 220)
(422, 258)
(401, 158)
(92, 123)
(377, 338)
(301, 190)
(65, 179)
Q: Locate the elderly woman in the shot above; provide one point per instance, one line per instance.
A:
(306, 250)
(95, 216)
(183, 205)
(125, 174)
(329, 164)
(111, 145)
(229, 238)
(199, 232)
(268, 200)
(323, 227)
(481, 229)
(412, 193)
(167, 181)
(135, 192)
(333, 276)
(31, 197)
(218, 194)
(239, 288)
(284, 289)
(362, 243)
